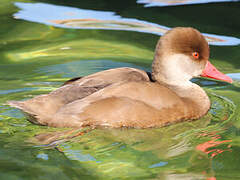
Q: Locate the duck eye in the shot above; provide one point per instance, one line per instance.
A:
(195, 55)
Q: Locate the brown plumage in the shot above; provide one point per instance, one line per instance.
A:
(130, 97)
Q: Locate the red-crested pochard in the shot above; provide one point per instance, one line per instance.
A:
(128, 97)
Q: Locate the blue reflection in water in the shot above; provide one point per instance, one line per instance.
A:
(9, 91)
(42, 156)
(12, 112)
(69, 17)
(160, 164)
(234, 76)
(76, 154)
(152, 3)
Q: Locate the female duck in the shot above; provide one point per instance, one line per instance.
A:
(131, 97)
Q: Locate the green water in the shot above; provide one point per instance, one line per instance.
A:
(36, 58)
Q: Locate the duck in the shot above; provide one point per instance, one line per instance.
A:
(130, 97)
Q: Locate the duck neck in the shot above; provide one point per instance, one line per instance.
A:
(174, 71)
(193, 95)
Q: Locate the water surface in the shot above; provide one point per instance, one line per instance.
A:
(38, 53)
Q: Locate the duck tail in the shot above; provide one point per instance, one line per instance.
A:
(20, 105)
(31, 116)
(16, 104)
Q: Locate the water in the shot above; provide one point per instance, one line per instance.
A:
(41, 48)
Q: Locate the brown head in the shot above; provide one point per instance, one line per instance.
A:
(181, 54)
(185, 40)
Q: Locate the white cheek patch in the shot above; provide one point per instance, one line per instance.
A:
(179, 68)
(191, 67)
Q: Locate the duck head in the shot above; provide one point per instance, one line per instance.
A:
(181, 54)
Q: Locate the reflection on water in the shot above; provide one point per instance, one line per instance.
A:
(151, 3)
(77, 154)
(213, 143)
(83, 68)
(68, 17)
(235, 76)
(158, 164)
